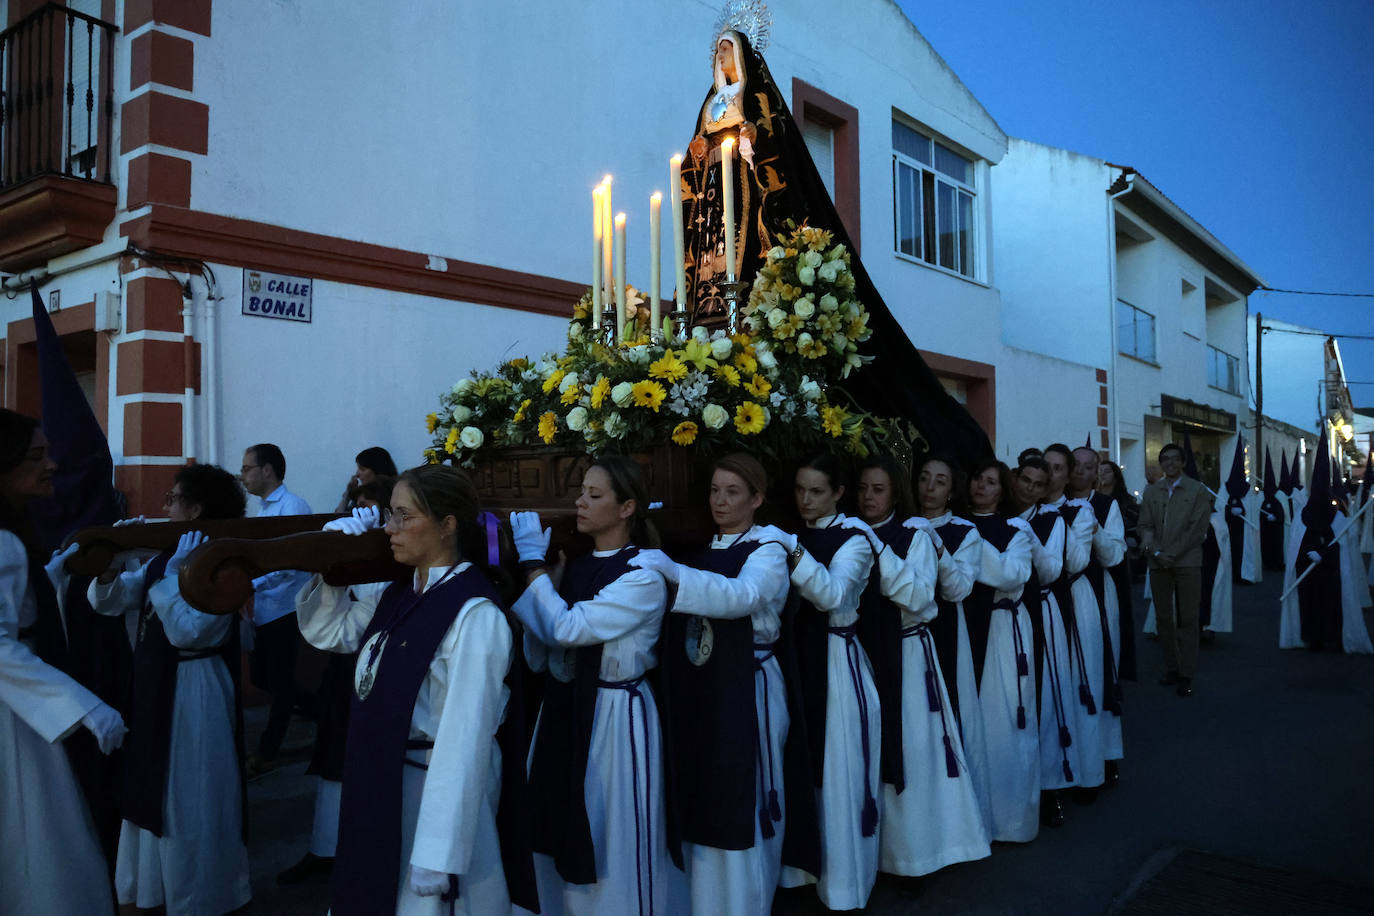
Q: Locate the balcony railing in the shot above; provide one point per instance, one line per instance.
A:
(56, 97)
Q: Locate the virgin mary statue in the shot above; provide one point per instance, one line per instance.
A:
(777, 188)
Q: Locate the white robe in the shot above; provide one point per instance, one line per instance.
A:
(1354, 634)
(849, 860)
(57, 867)
(448, 812)
(936, 820)
(1352, 575)
(624, 782)
(1086, 668)
(1250, 568)
(1056, 681)
(200, 864)
(1109, 549)
(743, 880)
(1012, 753)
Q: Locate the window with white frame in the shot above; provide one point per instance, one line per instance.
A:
(1135, 331)
(1223, 370)
(934, 202)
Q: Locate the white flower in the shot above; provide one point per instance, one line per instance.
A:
(615, 427)
(638, 355)
(776, 317)
(829, 303)
(701, 335)
(471, 437)
(574, 330)
(721, 347)
(810, 389)
(622, 394)
(806, 275)
(569, 381)
(715, 416)
(462, 387)
(577, 419)
(838, 341)
(804, 309)
(804, 340)
(835, 254)
(811, 259)
(765, 357)
(777, 252)
(830, 270)
(461, 415)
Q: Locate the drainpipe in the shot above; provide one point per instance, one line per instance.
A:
(1113, 421)
(188, 354)
(208, 393)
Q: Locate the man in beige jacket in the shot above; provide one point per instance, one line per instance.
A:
(1174, 515)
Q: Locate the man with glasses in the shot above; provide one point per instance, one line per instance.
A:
(1175, 513)
(277, 637)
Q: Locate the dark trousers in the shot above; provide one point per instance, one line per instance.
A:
(274, 670)
(1177, 591)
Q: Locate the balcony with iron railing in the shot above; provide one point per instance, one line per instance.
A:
(57, 190)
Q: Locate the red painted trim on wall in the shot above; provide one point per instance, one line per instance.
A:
(811, 104)
(156, 57)
(980, 380)
(155, 117)
(191, 15)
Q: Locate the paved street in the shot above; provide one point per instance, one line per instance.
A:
(1266, 763)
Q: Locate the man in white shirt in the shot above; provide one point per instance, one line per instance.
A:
(277, 635)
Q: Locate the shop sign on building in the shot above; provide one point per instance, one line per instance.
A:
(269, 295)
(1179, 410)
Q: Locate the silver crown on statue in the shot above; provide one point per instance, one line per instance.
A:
(748, 17)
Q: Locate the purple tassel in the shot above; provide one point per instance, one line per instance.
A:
(1020, 717)
(870, 818)
(1085, 696)
(1065, 739)
(774, 809)
(1068, 771)
(951, 762)
(932, 695)
(766, 824)
(1022, 666)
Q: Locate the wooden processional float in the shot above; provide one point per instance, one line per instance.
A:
(218, 576)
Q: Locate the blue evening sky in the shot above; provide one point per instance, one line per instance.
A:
(1256, 118)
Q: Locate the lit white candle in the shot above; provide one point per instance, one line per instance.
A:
(679, 258)
(655, 263)
(597, 245)
(620, 296)
(727, 178)
(607, 242)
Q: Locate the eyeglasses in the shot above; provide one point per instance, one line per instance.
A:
(172, 498)
(249, 467)
(400, 516)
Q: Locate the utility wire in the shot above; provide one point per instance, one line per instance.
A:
(1310, 292)
(1270, 327)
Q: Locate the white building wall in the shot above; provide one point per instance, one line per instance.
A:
(1042, 399)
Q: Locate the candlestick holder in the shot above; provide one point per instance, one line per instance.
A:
(679, 317)
(610, 317)
(734, 293)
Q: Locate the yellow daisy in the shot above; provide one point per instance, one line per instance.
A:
(669, 368)
(758, 386)
(451, 443)
(600, 390)
(553, 381)
(746, 363)
(432, 422)
(648, 394)
(729, 375)
(749, 418)
(524, 406)
(685, 433)
(548, 426)
(571, 395)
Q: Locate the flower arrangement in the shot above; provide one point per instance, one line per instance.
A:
(769, 389)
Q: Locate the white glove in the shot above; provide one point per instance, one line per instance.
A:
(918, 522)
(136, 520)
(1237, 511)
(659, 562)
(1314, 555)
(363, 519)
(59, 557)
(531, 542)
(426, 883)
(1269, 516)
(863, 527)
(927, 614)
(189, 542)
(766, 533)
(107, 726)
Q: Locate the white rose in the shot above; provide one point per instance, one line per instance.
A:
(812, 259)
(569, 381)
(721, 348)
(701, 335)
(461, 415)
(776, 317)
(715, 416)
(766, 359)
(622, 394)
(810, 390)
(577, 419)
(574, 330)
(471, 437)
(804, 309)
(804, 340)
(830, 270)
(777, 252)
(463, 387)
(806, 275)
(829, 303)
(638, 355)
(615, 426)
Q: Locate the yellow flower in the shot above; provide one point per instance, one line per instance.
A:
(811, 347)
(571, 395)
(685, 433)
(832, 420)
(431, 456)
(600, 390)
(451, 443)
(524, 406)
(788, 328)
(519, 363)
(729, 375)
(749, 418)
(746, 363)
(432, 422)
(553, 381)
(548, 426)
(699, 354)
(648, 394)
(669, 368)
(758, 386)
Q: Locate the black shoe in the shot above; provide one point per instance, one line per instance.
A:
(1084, 796)
(310, 866)
(1185, 687)
(1169, 679)
(1051, 812)
(1209, 637)
(1113, 773)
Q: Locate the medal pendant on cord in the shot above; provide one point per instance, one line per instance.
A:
(700, 640)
